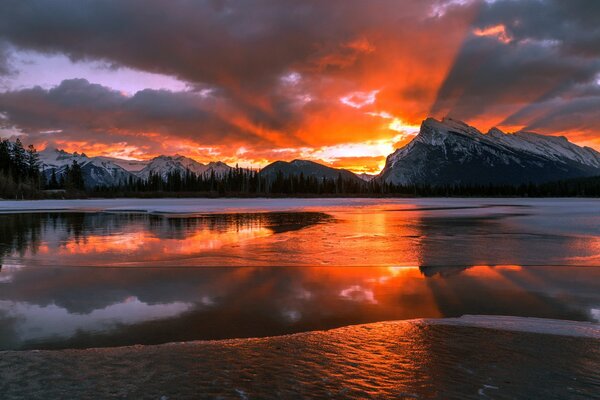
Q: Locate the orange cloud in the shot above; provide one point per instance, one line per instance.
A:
(342, 82)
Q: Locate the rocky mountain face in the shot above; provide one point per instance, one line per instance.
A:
(307, 168)
(366, 177)
(452, 152)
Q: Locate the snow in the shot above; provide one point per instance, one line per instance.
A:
(552, 147)
(520, 148)
(522, 324)
(178, 205)
(163, 165)
(54, 158)
(120, 169)
(556, 148)
(366, 177)
(226, 205)
(128, 165)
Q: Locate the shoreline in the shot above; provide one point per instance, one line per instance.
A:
(284, 204)
(380, 360)
(500, 323)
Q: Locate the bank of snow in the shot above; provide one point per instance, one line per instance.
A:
(231, 205)
(522, 324)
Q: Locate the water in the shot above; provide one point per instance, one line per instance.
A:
(109, 273)
(379, 361)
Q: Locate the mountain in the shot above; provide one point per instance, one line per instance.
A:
(452, 152)
(128, 165)
(163, 165)
(366, 177)
(96, 171)
(109, 171)
(308, 168)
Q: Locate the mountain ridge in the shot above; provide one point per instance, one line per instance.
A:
(452, 152)
(308, 169)
(446, 151)
(109, 171)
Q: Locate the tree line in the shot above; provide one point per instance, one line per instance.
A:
(242, 181)
(21, 177)
(247, 183)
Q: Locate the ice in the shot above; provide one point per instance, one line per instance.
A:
(522, 324)
(224, 205)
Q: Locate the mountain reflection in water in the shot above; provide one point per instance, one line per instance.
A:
(162, 278)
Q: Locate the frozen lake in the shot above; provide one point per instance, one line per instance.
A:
(107, 273)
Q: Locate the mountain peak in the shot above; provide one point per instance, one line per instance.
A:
(307, 168)
(299, 162)
(495, 133)
(435, 132)
(450, 152)
(163, 165)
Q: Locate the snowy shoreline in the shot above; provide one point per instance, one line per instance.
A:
(201, 205)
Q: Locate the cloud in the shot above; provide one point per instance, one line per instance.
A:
(4, 58)
(83, 111)
(519, 56)
(271, 74)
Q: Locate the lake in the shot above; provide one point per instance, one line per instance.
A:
(109, 273)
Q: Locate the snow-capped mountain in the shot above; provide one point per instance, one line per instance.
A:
(366, 177)
(452, 152)
(308, 168)
(163, 165)
(133, 166)
(109, 171)
(96, 171)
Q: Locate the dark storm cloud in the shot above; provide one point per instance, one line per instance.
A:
(573, 24)
(83, 111)
(570, 112)
(523, 52)
(5, 68)
(218, 41)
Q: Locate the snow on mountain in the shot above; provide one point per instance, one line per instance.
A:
(128, 165)
(96, 171)
(109, 171)
(553, 147)
(163, 165)
(452, 152)
(55, 158)
(366, 177)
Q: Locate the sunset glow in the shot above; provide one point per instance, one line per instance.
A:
(344, 84)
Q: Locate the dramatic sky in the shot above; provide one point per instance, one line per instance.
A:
(340, 81)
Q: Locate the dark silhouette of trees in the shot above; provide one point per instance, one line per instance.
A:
(73, 177)
(20, 176)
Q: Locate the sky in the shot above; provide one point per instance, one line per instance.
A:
(343, 82)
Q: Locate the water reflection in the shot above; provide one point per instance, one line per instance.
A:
(264, 274)
(104, 239)
(454, 237)
(81, 307)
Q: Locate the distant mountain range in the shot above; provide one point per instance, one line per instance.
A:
(108, 171)
(443, 152)
(96, 171)
(163, 165)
